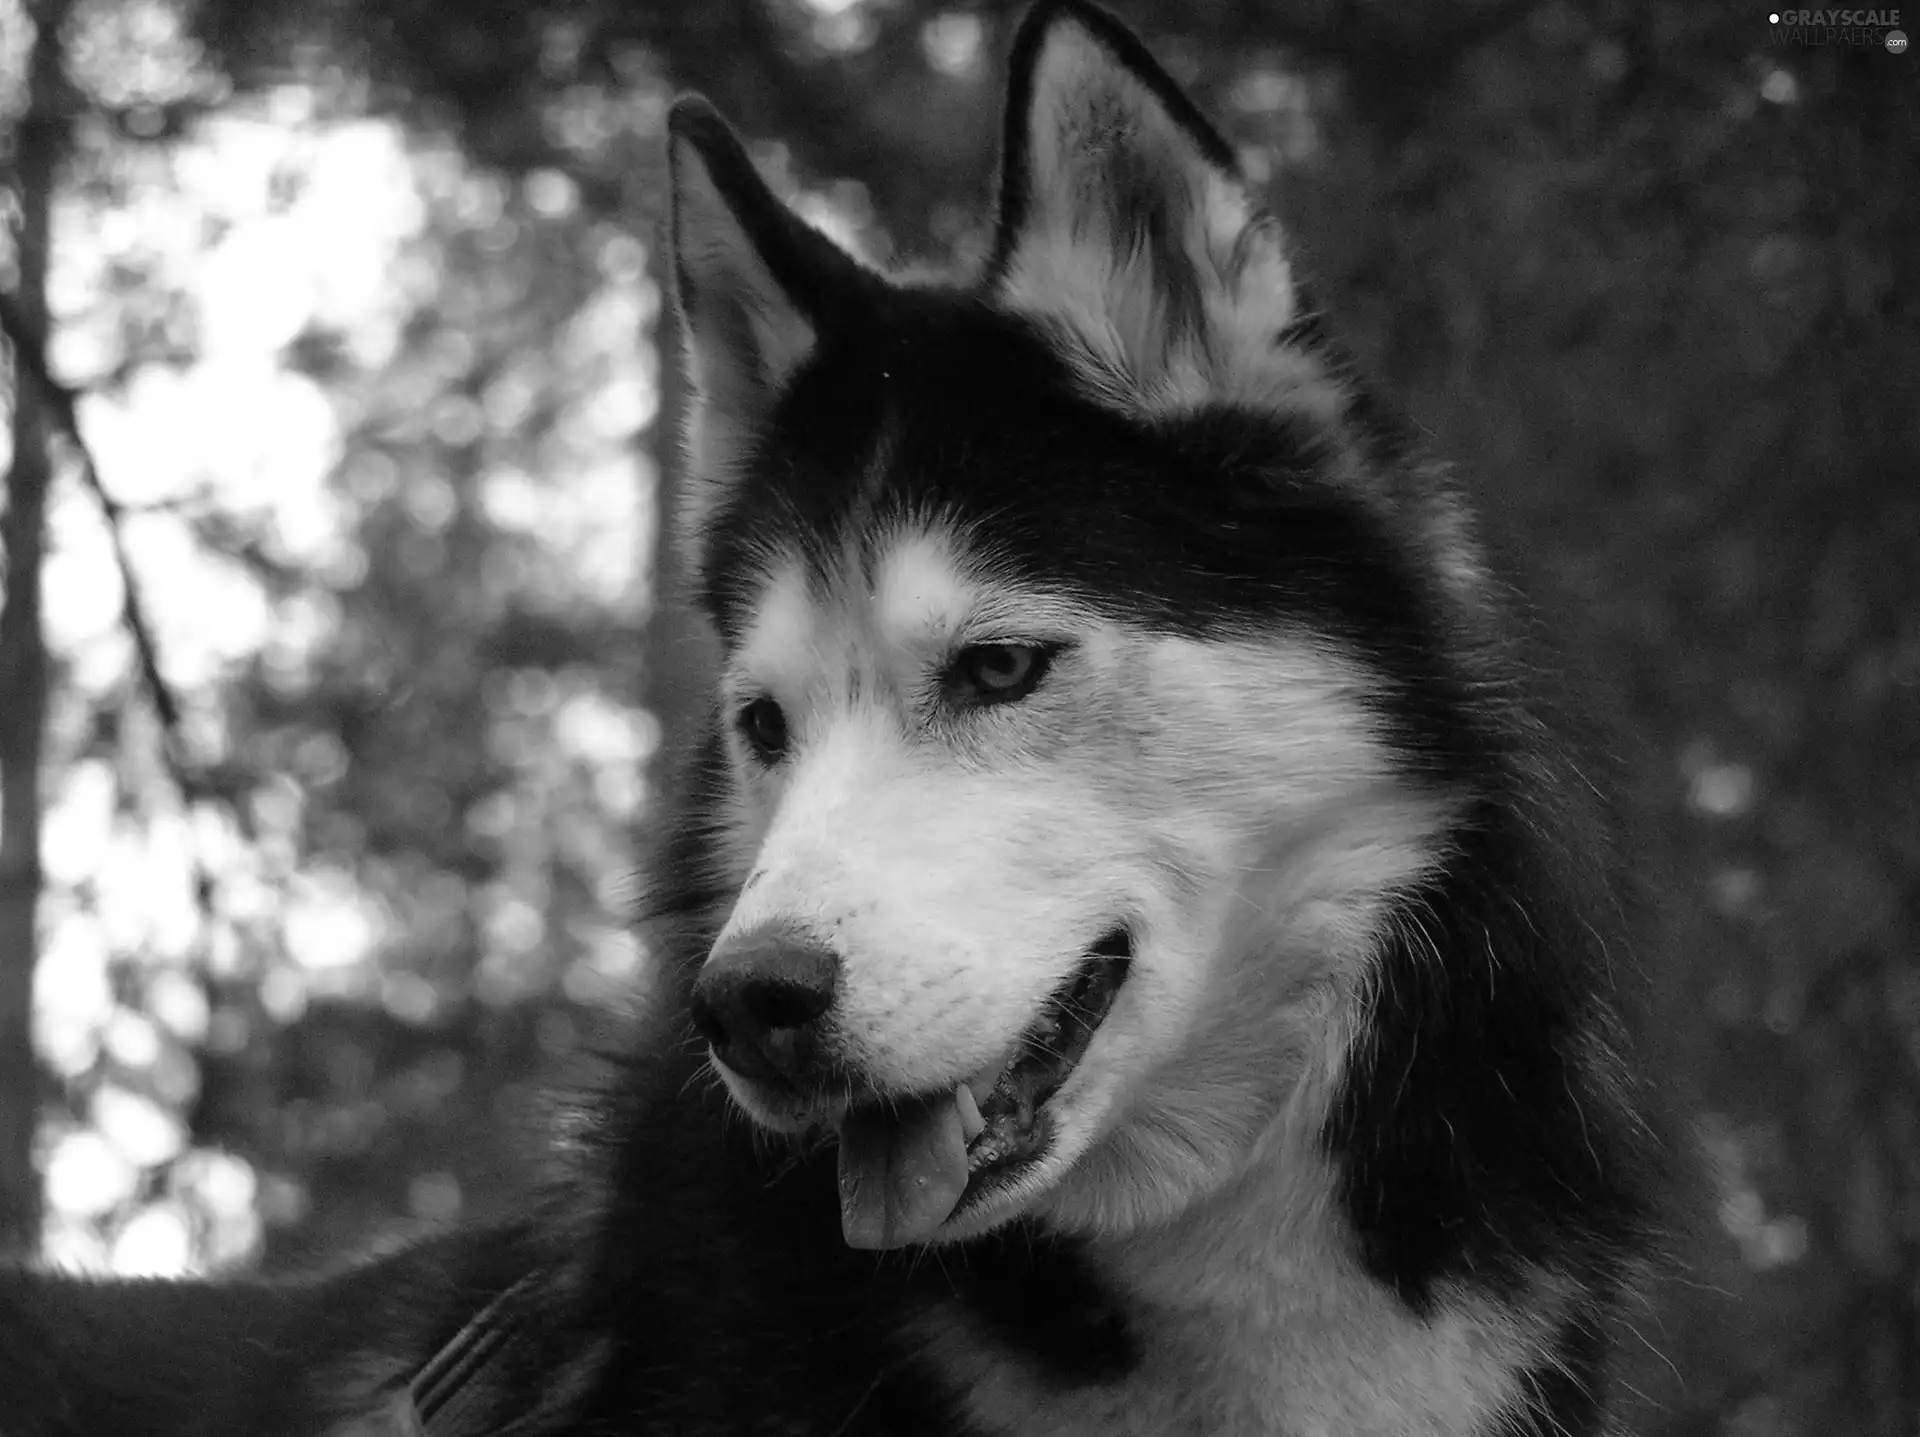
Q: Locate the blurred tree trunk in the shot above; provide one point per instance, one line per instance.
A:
(23, 651)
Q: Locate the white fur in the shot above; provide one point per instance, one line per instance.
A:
(920, 593)
(1228, 801)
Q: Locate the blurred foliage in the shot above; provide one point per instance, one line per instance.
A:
(1645, 272)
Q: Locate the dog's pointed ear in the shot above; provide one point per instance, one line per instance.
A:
(750, 284)
(1125, 225)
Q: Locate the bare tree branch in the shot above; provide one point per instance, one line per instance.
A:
(58, 407)
(62, 405)
(59, 403)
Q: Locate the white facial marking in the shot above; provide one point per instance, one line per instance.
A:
(1228, 802)
(919, 593)
(778, 650)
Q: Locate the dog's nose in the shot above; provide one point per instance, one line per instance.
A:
(758, 1000)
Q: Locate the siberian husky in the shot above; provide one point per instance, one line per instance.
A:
(1165, 940)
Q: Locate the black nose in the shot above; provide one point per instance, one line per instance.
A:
(758, 1001)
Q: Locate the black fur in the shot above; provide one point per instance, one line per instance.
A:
(1566, 1394)
(1473, 1142)
(1210, 525)
(689, 1278)
(234, 1359)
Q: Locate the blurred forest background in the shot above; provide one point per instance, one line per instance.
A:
(333, 329)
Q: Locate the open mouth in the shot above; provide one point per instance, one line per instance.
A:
(1005, 1125)
(909, 1165)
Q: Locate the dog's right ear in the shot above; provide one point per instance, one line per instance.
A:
(1126, 228)
(751, 281)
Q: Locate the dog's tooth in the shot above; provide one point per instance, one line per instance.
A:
(984, 1081)
(971, 1123)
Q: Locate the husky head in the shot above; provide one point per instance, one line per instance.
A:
(1074, 737)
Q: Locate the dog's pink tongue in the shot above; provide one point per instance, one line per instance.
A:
(901, 1172)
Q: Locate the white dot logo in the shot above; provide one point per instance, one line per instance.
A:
(1774, 18)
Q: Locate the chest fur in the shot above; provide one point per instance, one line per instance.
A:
(1263, 1358)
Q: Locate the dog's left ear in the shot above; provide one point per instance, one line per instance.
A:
(753, 287)
(1125, 226)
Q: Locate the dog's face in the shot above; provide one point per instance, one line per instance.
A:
(1063, 788)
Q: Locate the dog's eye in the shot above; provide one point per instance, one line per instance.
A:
(998, 673)
(764, 726)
